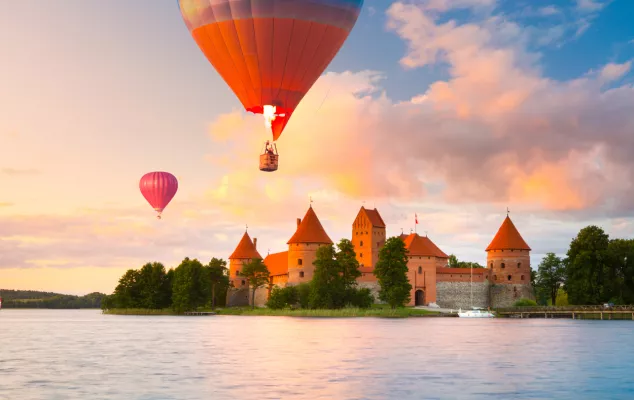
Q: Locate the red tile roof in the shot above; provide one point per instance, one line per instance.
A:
(245, 249)
(374, 217)
(277, 263)
(422, 246)
(476, 271)
(310, 230)
(508, 238)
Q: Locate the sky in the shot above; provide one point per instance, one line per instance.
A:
(451, 110)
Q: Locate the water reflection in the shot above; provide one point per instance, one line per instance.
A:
(85, 355)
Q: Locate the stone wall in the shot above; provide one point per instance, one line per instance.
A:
(505, 295)
(374, 289)
(261, 296)
(458, 294)
(237, 297)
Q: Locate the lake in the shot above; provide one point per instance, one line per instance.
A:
(82, 354)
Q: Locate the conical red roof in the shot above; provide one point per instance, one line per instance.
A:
(310, 230)
(508, 238)
(245, 249)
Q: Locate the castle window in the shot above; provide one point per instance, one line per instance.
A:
(243, 282)
(361, 243)
(420, 270)
(519, 265)
(301, 274)
(361, 255)
(522, 277)
(495, 277)
(502, 265)
(299, 261)
(491, 265)
(509, 277)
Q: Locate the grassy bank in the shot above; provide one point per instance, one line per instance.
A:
(139, 311)
(377, 312)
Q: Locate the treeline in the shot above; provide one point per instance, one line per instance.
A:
(49, 300)
(334, 284)
(454, 263)
(595, 270)
(187, 287)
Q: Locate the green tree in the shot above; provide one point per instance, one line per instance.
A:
(257, 275)
(155, 290)
(346, 259)
(218, 278)
(550, 276)
(391, 272)
(283, 297)
(191, 287)
(453, 261)
(327, 287)
(127, 294)
(620, 286)
(585, 266)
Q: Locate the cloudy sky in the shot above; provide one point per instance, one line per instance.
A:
(453, 110)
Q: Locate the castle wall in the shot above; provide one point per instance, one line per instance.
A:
(235, 266)
(237, 297)
(457, 294)
(307, 253)
(461, 274)
(505, 295)
(374, 289)
(509, 266)
(261, 296)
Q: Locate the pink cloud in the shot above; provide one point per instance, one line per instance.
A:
(496, 131)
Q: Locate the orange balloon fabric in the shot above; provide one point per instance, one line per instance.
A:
(270, 52)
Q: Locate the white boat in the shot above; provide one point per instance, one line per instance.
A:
(475, 312)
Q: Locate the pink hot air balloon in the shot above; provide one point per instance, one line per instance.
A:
(158, 188)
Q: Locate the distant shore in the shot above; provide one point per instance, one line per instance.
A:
(375, 312)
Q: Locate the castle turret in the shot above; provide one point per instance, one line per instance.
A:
(302, 247)
(508, 258)
(368, 236)
(244, 253)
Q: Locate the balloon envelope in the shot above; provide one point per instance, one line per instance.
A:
(270, 52)
(158, 188)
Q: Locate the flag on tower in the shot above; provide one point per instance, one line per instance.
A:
(416, 218)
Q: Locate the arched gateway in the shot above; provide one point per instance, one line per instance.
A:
(420, 298)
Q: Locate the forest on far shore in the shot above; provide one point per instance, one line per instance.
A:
(50, 300)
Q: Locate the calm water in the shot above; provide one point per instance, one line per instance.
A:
(86, 355)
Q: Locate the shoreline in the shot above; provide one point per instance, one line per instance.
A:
(408, 312)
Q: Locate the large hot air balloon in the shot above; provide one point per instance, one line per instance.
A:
(270, 52)
(158, 188)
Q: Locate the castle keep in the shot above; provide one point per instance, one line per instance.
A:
(505, 279)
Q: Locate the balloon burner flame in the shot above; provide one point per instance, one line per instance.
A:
(269, 116)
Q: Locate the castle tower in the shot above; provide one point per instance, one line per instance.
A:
(423, 258)
(302, 247)
(368, 236)
(244, 253)
(508, 258)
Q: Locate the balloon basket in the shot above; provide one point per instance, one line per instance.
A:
(269, 159)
